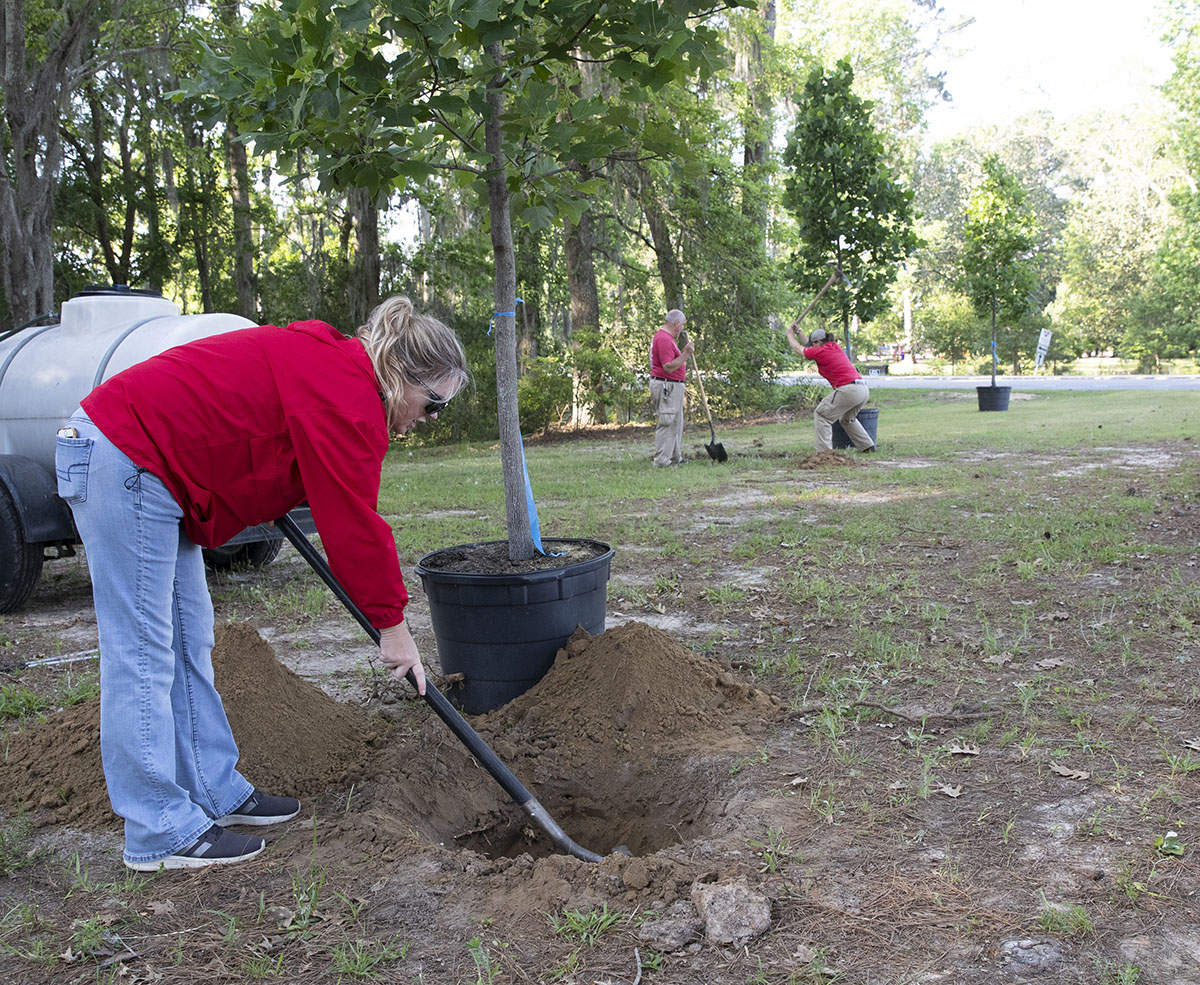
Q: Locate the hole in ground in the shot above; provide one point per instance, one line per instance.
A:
(646, 810)
(600, 819)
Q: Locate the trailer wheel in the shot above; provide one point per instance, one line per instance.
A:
(20, 563)
(254, 555)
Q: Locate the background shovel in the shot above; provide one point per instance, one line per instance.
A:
(444, 710)
(716, 451)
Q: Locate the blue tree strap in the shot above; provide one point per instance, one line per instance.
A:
(501, 314)
(535, 528)
(995, 359)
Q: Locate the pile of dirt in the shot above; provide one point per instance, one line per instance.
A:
(294, 739)
(627, 740)
(826, 459)
(631, 693)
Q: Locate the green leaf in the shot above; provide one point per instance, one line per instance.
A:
(474, 12)
(537, 217)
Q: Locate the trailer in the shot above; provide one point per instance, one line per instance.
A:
(46, 368)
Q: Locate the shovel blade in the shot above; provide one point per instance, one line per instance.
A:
(716, 451)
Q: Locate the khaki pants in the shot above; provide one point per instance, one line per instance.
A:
(842, 405)
(667, 397)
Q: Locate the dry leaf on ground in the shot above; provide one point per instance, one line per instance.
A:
(1070, 773)
(1059, 615)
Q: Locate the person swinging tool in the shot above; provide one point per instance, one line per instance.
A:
(850, 392)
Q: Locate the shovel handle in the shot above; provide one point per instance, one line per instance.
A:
(442, 707)
(820, 294)
(700, 384)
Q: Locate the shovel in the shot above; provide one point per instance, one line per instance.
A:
(444, 710)
(716, 451)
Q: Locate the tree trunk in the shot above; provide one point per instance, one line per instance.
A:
(425, 233)
(314, 262)
(585, 314)
(91, 158)
(512, 454)
(156, 261)
(908, 321)
(530, 275)
(244, 280)
(129, 183)
(363, 289)
(30, 140)
(993, 353)
(660, 236)
(756, 137)
(196, 162)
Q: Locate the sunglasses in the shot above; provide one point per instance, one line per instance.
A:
(437, 402)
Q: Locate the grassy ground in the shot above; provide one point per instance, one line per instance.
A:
(985, 639)
(583, 486)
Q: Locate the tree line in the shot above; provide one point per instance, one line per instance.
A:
(301, 159)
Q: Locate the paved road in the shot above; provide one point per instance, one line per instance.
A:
(1129, 382)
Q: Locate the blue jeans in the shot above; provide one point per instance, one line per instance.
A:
(169, 756)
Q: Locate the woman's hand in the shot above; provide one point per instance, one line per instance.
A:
(399, 654)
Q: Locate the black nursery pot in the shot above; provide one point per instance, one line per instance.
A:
(868, 417)
(501, 631)
(993, 397)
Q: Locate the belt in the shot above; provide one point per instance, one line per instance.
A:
(853, 382)
(664, 379)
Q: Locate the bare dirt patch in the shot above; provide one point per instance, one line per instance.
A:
(943, 742)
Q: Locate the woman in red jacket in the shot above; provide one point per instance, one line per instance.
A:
(182, 451)
(849, 394)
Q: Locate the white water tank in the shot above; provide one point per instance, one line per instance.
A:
(45, 371)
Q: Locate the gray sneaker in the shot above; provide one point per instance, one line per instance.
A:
(215, 847)
(261, 808)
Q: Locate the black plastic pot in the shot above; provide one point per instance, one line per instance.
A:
(868, 417)
(993, 397)
(501, 631)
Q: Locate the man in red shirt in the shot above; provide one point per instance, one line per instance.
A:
(182, 451)
(849, 394)
(668, 370)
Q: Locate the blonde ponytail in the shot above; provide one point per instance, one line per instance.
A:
(405, 346)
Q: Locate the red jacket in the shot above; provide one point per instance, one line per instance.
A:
(832, 363)
(243, 426)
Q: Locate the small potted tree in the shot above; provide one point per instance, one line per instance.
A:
(999, 234)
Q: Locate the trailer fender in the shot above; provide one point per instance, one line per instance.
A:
(43, 516)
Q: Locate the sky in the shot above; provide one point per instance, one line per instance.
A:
(1068, 56)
